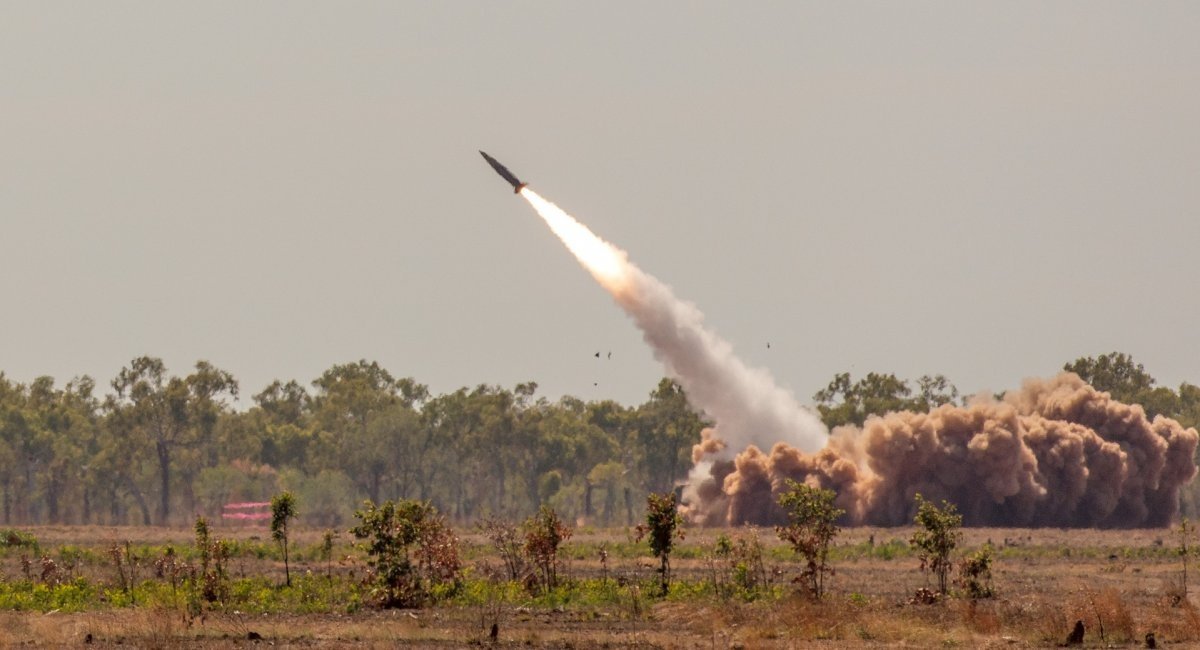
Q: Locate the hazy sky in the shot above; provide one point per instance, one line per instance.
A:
(983, 190)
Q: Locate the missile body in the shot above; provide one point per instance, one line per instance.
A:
(504, 173)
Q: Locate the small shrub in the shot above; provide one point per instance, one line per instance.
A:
(506, 539)
(737, 565)
(544, 533)
(936, 537)
(975, 574)
(812, 527)
(662, 527)
(283, 511)
(1105, 614)
(13, 538)
(214, 553)
(125, 564)
(327, 552)
(396, 534)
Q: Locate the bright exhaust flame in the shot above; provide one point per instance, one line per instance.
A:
(608, 264)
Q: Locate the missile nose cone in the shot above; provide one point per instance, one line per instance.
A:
(503, 171)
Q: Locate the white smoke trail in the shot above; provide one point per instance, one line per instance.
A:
(746, 404)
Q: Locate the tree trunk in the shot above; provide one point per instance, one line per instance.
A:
(189, 494)
(628, 507)
(52, 489)
(27, 504)
(141, 501)
(164, 474)
(498, 508)
(373, 486)
(114, 506)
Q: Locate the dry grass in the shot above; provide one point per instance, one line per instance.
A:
(1126, 581)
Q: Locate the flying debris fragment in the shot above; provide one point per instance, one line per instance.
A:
(504, 173)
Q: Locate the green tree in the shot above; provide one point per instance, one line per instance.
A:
(933, 392)
(18, 433)
(609, 477)
(564, 448)
(1115, 373)
(350, 397)
(169, 414)
(1189, 405)
(399, 532)
(663, 528)
(667, 427)
(938, 534)
(845, 401)
(283, 511)
(812, 526)
(284, 403)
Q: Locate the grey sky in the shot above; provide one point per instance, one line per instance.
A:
(984, 190)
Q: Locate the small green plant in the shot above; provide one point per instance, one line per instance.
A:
(327, 552)
(813, 525)
(214, 581)
(975, 573)
(126, 565)
(398, 533)
(737, 565)
(171, 568)
(938, 534)
(13, 538)
(663, 528)
(544, 533)
(283, 511)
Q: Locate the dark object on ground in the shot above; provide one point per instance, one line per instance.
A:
(1150, 642)
(495, 632)
(253, 636)
(1076, 635)
(924, 596)
(88, 638)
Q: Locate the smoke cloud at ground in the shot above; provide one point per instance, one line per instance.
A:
(1055, 453)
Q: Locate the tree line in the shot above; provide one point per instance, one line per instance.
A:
(161, 449)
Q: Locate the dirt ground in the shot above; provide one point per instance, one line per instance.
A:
(1122, 584)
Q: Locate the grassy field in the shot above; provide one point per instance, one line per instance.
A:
(1122, 584)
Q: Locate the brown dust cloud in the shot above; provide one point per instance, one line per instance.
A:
(1054, 453)
(1057, 452)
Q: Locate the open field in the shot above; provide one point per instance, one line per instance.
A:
(1126, 583)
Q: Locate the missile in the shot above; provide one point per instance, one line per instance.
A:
(504, 173)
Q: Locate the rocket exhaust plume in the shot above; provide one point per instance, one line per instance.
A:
(1055, 453)
(746, 404)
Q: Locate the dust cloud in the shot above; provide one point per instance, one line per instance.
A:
(1055, 453)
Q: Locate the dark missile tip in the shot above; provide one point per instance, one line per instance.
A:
(503, 172)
